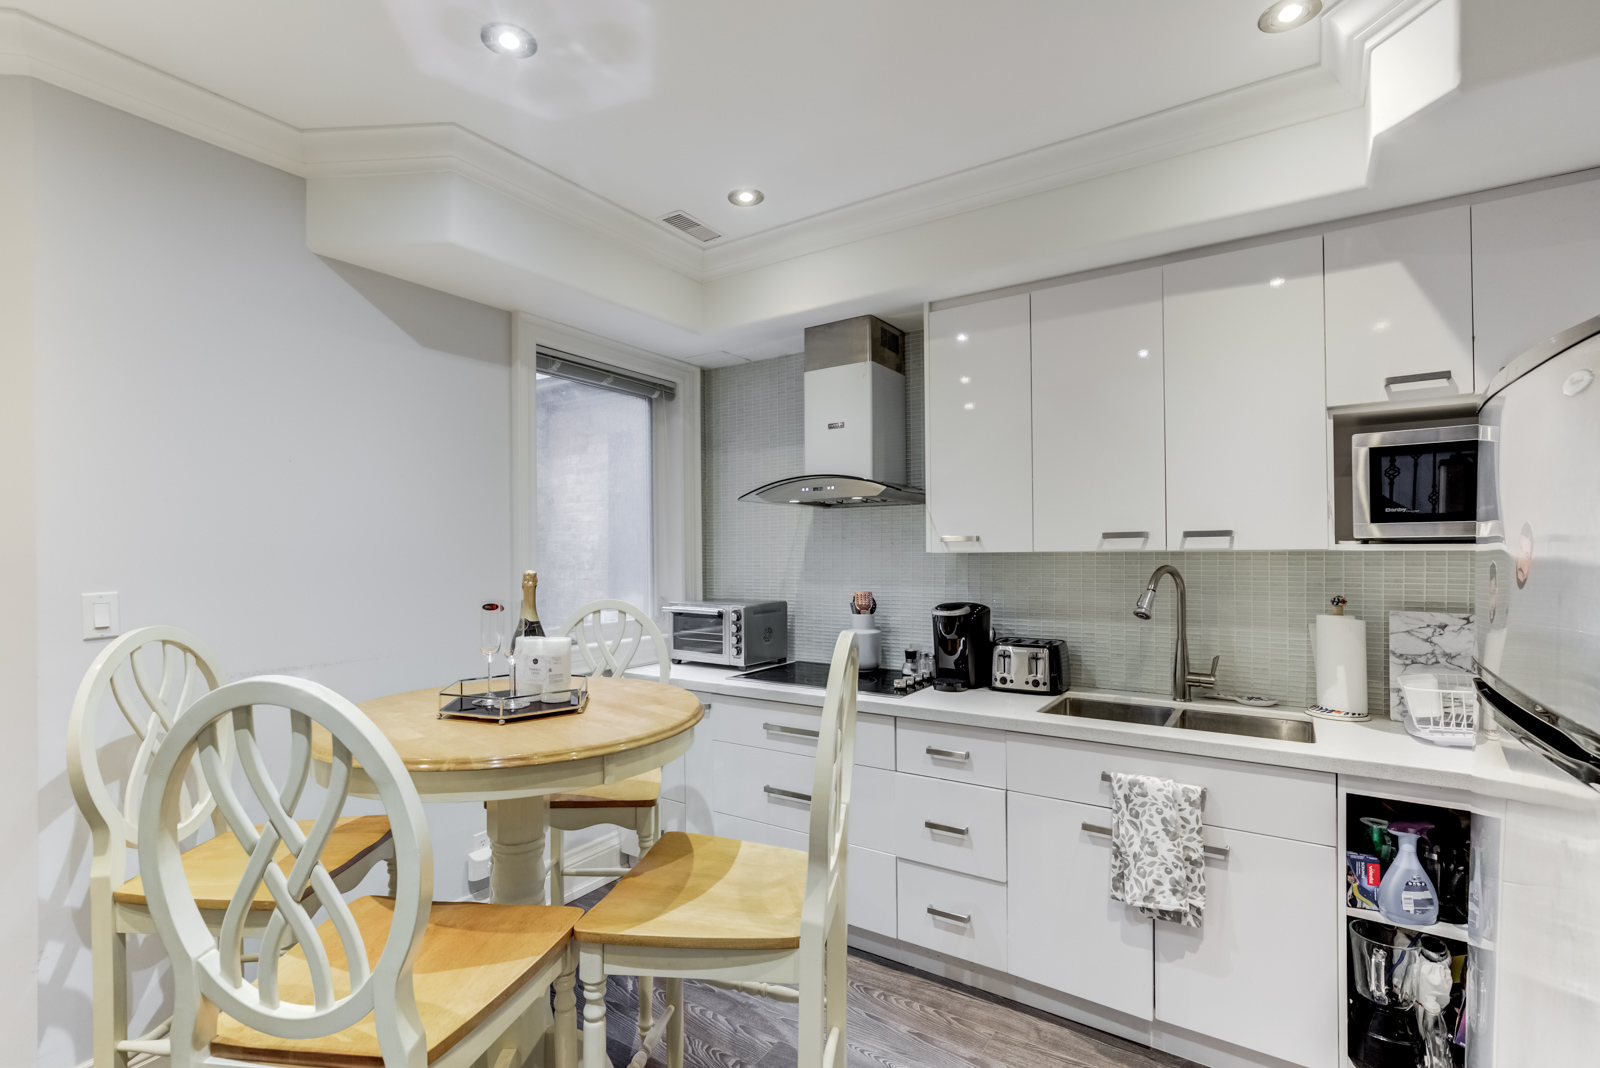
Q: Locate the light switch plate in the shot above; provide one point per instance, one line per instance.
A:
(100, 616)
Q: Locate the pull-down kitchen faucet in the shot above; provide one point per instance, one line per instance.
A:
(1183, 680)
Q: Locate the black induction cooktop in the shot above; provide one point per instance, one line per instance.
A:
(879, 681)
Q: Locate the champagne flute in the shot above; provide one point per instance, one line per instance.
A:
(491, 627)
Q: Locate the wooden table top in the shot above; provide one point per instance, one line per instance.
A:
(623, 714)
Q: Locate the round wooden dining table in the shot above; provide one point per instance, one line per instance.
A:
(629, 727)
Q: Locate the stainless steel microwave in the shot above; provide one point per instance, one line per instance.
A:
(723, 632)
(1417, 485)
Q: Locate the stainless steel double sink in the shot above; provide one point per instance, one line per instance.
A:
(1188, 719)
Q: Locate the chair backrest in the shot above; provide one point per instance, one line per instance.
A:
(152, 675)
(208, 969)
(822, 915)
(608, 652)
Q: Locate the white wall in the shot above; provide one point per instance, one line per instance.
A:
(19, 929)
(232, 434)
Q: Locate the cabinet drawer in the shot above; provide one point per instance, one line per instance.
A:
(1284, 802)
(761, 785)
(965, 754)
(951, 825)
(872, 809)
(793, 729)
(969, 917)
(870, 891)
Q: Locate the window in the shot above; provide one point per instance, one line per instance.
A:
(594, 512)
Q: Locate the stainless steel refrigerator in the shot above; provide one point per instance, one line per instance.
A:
(1539, 541)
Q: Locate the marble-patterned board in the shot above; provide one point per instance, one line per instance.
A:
(1423, 640)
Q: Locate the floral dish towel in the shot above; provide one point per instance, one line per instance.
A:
(1157, 847)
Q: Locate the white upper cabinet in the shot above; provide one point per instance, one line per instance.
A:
(1399, 298)
(980, 437)
(1099, 460)
(1246, 401)
(1535, 270)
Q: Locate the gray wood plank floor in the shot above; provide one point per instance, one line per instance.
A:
(897, 1018)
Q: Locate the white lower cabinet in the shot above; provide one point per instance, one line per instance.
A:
(1065, 931)
(869, 890)
(961, 915)
(1263, 970)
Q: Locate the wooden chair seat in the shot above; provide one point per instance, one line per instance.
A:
(215, 867)
(696, 891)
(474, 957)
(641, 791)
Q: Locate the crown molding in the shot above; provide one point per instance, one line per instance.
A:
(1349, 29)
(31, 47)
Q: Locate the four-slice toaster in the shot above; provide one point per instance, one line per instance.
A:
(1030, 665)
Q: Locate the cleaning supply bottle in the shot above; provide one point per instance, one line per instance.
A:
(1406, 894)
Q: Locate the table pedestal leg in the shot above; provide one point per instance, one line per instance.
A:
(517, 830)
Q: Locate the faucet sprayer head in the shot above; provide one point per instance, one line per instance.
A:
(1141, 607)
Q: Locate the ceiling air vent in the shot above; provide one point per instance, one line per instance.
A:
(682, 220)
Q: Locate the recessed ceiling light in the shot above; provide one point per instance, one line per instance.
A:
(1276, 283)
(1287, 14)
(968, 406)
(508, 40)
(746, 198)
(961, 337)
(965, 379)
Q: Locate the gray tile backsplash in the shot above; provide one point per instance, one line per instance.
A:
(1252, 608)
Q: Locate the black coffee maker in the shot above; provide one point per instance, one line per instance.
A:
(962, 645)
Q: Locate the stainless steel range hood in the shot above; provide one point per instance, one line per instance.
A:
(855, 420)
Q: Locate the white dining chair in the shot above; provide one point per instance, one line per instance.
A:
(396, 982)
(741, 915)
(632, 804)
(152, 675)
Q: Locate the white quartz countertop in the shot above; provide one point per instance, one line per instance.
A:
(1378, 749)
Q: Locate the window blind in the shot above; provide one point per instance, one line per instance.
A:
(565, 365)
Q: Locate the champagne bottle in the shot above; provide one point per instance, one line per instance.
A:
(530, 627)
(527, 645)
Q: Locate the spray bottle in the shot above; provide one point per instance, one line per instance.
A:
(1406, 894)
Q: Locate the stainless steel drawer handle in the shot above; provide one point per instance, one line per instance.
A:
(1124, 535)
(776, 792)
(1220, 852)
(1105, 776)
(953, 917)
(947, 538)
(1426, 376)
(798, 732)
(944, 828)
(949, 754)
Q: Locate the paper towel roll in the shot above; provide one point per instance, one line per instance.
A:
(1340, 644)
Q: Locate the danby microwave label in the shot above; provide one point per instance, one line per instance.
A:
(836, 426)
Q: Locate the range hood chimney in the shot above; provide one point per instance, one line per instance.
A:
(855, 420)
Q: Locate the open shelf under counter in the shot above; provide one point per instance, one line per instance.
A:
(1453, 931)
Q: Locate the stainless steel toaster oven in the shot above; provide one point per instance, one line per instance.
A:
(737, 634)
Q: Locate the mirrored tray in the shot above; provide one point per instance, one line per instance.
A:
(460, 700)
